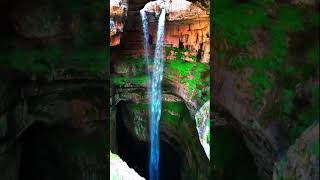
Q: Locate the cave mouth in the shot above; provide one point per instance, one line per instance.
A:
(136, 153)
(39, 158)
(60, 152)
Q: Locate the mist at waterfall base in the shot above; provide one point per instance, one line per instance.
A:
(155, 91)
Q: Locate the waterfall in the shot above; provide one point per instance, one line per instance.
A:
(155, 100)
(146, 39)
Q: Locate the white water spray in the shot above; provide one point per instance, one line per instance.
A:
(156, 98)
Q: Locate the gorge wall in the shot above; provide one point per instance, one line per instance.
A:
(256, 47)
(187, 41)
(52, 90)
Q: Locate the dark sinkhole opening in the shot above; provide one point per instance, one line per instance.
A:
(61, 152)
(232, 160)
(136, 153)
(39, 158)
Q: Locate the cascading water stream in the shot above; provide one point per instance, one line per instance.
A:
(155, 91)
(146, 39)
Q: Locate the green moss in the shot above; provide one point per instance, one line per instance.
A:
(277, 71)
(140, 106)
(289, 19)
(137, 62)
(138, 76)
(182, 67)
(122, 81)
(193, 74)
(42, 61)
(234, 19)
(173, 112)
(313, 56)
(315, 20)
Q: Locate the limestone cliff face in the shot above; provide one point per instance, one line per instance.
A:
(266, 132)
(187, 26)
(187, 30)
(118, 14)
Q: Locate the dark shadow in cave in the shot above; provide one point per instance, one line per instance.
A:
(232, 159)
(38, 158)
(136, 153)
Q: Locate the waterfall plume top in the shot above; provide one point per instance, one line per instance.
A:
(175, 9)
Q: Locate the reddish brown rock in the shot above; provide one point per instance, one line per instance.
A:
(118, 14)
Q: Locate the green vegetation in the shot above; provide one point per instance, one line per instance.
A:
(234, 19)
(208, 137)
(279, 69)
(175, 115)
(173, 112)
(40, 61)
(315, 20)
(83, 52)
(89, 15)
(121, 81)
(313, 56)
(191, 73)
(134, 72)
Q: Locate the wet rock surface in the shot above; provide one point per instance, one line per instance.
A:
(302, 158)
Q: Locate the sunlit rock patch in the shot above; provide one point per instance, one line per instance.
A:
(203, 127)
(118, 13)
(176, 9)
(119, 170)
(187, 26)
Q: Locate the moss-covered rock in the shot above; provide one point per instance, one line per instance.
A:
(302, 158)
(176, 128)
(263, 65)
